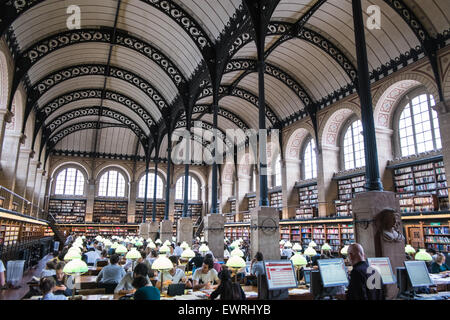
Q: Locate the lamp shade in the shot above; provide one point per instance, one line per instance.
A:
(107, 243)
(344, 250)
(288, 244)
(164, 249)
(326, 247)
(138, 244)
(203, 248)
(76, 267)
(74, 249)
(114, 245)
(297, 247)
(133, 254)
(312, 244)
(158, 241)
(299, 260)
(72, 255)
(162, 263)
(310, 252)
(166, 243)
(237, 252)
(121, 249)
(282, 242)
(151, 245)
(236, 262)
(184, 245)
(409, 249)
(187, 254)
(98, 238)
(422, 255)
(202, 239)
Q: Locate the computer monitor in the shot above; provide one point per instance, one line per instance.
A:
(418, 274)
(280, 274)
(333, 272)
(307, 276)
(383, 265)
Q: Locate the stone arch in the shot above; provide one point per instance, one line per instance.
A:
(4, 81)
(17, 110)
(387, 97)
(228, 173)
(446, 76)
(65, 165)
(333, 121)
(106, 167)
(295, 140)
(141, 175)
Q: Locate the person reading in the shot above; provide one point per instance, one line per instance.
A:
(204, 277)
(48, 287)
(174, 275)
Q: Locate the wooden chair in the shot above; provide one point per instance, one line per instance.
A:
(101, 264)
(87, 292)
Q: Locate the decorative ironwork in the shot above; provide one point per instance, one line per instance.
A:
(50, 44)
(84, 94)
(203, 109)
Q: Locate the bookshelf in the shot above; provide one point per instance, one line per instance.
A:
(308, 202)
(106, 211)
(318, 234)
(347, 189)
(422, 187)
(67, 211)
(139, 213)
(251, 203)
(236, 232)
(92, 230)
(195, 209)
(429, 235)
(276, 199)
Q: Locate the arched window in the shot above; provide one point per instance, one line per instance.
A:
(278, 172)
(354, 146)
(112, 184)
(310, 160)
(419, 126)
(150, 188)
(70, 182)
(193, 189)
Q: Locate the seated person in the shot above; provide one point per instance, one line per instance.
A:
(144, 290)
(204, 277)
(439, 265)
(91, 256)
(49, 270)
(62, 281)
(217, 265)
(257, 266)
(126, 284)
(112, 273)
(174, 275)
(228, 290)
(2, 274)
(152, 257)
(48, 287)
(103, 257)
(287, 252)
(196, 262)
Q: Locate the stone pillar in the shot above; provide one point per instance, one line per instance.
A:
(37, 191)
(165, 230)
(266, 237)
(43, 193)
(385, 154)
(5, 117)
(227, 192)
(328, 164)
(144, 230)
(153, 228)
(366, 206)
(11, 144)
(443, 110)
(31, 181)
(172, 201)
(291, 170)
(242, 190)
(23, 164)
(214, 234)
(90, 197)
(185, 230)
(132, 202)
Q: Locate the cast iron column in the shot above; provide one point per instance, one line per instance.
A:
(214, 166)
(373, 181)
(186, 173)
(146, 190)
(155, 184)
(169, 160)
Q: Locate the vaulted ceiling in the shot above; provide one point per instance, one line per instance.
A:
(116, 85)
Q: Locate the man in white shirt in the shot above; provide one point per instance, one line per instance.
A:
(92, 256)
(204, 278)
(178, 250)
(287, 252)
(2, 274)
(175, 275)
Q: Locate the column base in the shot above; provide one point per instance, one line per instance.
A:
(185, 230)
(153, 229)
(165, 230)
(373, 233)
(143, 230)
(214, 234)
(266, 237)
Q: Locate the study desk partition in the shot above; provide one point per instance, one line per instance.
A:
(88, 282)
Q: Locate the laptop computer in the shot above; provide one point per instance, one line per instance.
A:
(176, 289)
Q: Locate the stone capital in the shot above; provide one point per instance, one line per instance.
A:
(6, 115)
(25, 152)
(13, 134)
(442, 107)
(35, 163)
(384, 131)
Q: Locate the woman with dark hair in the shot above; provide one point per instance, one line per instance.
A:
(62, 280)
(257, 266)
(48, 287)
(228, 290)
(144, 290)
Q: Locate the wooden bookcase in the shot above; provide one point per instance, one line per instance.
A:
(106, 211)
(92, 230)
(236, 232)
(429, 234)
(308, 202)
(422, 187)
(276, 199)
(67, 211)
(195, 209)
(347, 189)
(139, 213)
(251, 204)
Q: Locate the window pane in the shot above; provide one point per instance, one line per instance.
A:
(112, 184)
(120, 185)
(310, 160)
(179, 188)
(194, 189)
(59, 188)
(354, 146)
(103, 185)
(79, 187)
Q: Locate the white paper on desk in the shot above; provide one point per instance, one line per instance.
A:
(199, 294)
(251, 294)
(298, 291)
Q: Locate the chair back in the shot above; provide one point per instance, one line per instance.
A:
(87, 292)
